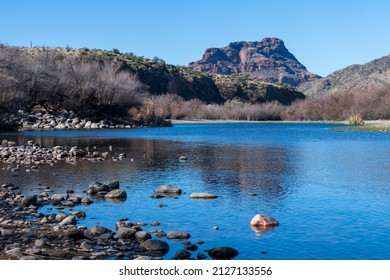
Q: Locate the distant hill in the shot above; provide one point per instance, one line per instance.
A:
(268, 60)
(161, 77)
(374, 75)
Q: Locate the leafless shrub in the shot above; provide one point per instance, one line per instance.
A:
(56, 82)
(339, 106)
(355, 119)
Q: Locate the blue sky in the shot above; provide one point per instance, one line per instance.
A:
(323, 35)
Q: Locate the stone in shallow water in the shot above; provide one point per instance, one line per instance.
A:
(203, 196)
(261, 220)
(125, 232)
(182, 255)
(156, 247)
(142, 235)
(168, 190)
(116, 194)
(223, 253)
(178, 235)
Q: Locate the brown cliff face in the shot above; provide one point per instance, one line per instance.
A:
(268, 60)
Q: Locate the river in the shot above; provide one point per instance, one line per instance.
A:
(329, 190)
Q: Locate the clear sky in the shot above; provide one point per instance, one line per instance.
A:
(324, 35)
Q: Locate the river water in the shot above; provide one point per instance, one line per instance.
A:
(329, 190)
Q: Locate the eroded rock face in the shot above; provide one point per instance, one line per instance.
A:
(267, 60)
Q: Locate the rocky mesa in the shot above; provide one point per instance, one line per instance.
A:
(267, 60)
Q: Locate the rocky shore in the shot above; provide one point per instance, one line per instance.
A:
(27, 232)
(30, 156)
(67, 120)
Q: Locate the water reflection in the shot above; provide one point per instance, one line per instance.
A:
(235, 169)
(313, 180)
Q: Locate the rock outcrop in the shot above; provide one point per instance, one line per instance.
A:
(374, 75)
(268, 60)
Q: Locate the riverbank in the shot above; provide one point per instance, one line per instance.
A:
(42, 120)
(28, 234)
(368, 126)
(196, 121)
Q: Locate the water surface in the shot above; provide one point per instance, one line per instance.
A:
(329, 190)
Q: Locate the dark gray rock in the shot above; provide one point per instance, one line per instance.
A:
(113, 185)
(182, 255)
(29, 200)
(75, 233)
(155, 247)
(125, 232)
(223, 253)
(191, 247)
(142, 235)
(96, 188)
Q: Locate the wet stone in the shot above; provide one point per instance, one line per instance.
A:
(142, 235)
(182, 255)
(191, 247)
(178, 235)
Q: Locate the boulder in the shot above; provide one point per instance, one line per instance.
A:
(167, 190)
(261, 220)
(116, 194)
(182, 255)
(114, 184)
(57, 198)
(223, 253)
(99, 230)
(70, 220)
(29, 200)
(142, 235)
(178, 235)
(97, 188)
(155, 247)
(75, 234)
(125, 233)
